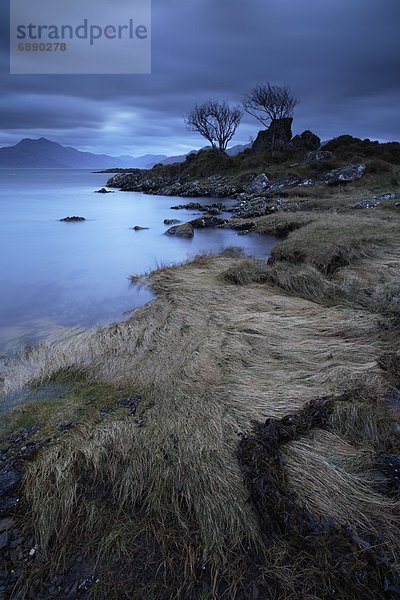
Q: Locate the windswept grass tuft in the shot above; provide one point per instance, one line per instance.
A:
(336, 240)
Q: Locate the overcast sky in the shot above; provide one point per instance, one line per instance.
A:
(340, 57)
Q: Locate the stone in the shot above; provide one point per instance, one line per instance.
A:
(6, 524)
(345, 174)
(205, 222)
(9, 480)
(258, 185)
(306, 141)
(8, 504)
(73, 219)
(183, 231)
(138, 228)
(278, 134)
(4, 540)
(104, 191)
(171, 221)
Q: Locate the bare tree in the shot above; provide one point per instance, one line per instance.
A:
(216, 121)
(268, 103)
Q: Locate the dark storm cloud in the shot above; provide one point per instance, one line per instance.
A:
(341, 58)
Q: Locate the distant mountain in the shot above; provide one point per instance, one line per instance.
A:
(44, 154)
(182, 157)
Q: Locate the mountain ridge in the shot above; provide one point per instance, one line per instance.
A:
(47, 154)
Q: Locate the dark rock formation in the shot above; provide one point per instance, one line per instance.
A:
(205, 222)
(73, 219)
(171, 221)
(104, 191)
(138, 228)
(183, 231)
(209, 208)
(306, 141)
(258, 185)
(277, 136)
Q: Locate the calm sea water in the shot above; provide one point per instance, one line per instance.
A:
(57, 275)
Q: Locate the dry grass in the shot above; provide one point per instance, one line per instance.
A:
(336, 240)
(209, 358)
(340, 480)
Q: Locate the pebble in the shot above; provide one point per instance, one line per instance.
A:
(6, 524)
(4, 540)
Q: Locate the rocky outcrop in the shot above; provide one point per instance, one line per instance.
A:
(138, 228)
(252, 185)
(215, 186)
(171, 221)
(183, 231)
(104, 191)
(214, 209)
(277, 136)
(306, 141)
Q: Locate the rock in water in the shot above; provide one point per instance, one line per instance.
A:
(138, 228)
(73, 219)
(183, 231)
(171, 221)
(104, 191)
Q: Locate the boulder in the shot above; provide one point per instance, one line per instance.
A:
(345, 174)
(306, 141)
(277, 136)
(171, 221)
(73, 219)
(258, 185)
(138, 228)
(104, 191)
(183, 231)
